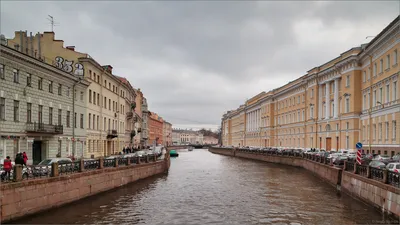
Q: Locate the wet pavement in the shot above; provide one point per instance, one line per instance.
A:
(205, 188)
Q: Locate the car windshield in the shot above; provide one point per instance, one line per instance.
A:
(45, 162)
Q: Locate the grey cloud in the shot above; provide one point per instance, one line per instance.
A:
(195, 60)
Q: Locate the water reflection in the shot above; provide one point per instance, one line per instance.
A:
(204, 188)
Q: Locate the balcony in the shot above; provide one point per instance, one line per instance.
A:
(44, 128)
(129, 115)
(112, 134)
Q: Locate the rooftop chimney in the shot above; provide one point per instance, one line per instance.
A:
(71, 48)
(108, 68)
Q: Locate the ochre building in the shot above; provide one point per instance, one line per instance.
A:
(352, 98)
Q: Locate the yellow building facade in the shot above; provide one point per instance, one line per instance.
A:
(352, 98)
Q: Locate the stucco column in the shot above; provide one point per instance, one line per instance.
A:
(327, 100)
(320, 102)
(336, 99)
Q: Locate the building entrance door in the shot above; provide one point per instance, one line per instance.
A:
(328, 144)
(37, 152)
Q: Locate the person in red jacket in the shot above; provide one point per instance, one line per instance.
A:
(7, 167)
(25, 158)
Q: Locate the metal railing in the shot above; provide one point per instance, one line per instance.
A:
(361, 170)
(393, 179)
(122, 161)
(91, 164)
(70, 167)
(109, 163)
(349, 166)
(44, 128)
(377, 174)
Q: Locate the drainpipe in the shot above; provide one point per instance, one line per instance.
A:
(73, 116)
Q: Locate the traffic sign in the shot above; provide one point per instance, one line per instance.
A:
(359, 145)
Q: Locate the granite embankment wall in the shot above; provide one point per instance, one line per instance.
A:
(384, 196)
(31, 196)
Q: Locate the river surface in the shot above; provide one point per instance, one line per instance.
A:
(205, 188)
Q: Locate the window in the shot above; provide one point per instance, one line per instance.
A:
(59, 116)
(2, 74)
(312, 93)
(374, 131)
(109, 104)
(394, 130)
(347, 125)
(90, 74)
(94, 122)
(68, 89)
(29, 112)
(394, 90)
(337, 126)
(50, 115)
(82, 96)
(51, 87)
(348, 81)
(81, 121)
(94, 97)
(109, 86)
(312, 112)
(394, 58)
(364, 76)
(365, 102)
(380, 131)
(387, 130)
(105, 102)
(369, 73)
(374, 69)
(347, 105)
(90, 120)
(98, 121)
(40, 114)
(374, 98)
(388, 62)
(381, 95)
(68, 118)
(59, 89)
(75, 120)
(98, 78)
(298, 99)
(105, 83)
(104, 123)
(90, 96)
(75, 97)
(387, 93)
(2, 109)
(16, 111)
(98, 99)
(381, 66)
(347, 142)
(16, 75)
(29, 80)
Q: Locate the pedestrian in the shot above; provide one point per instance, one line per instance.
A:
(7, 167)
(124, 150)
(19, 159)
(25, 157)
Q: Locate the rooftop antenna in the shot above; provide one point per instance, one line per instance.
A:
(52, 23)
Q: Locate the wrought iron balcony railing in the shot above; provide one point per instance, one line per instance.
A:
(112, 134)
(44, 128)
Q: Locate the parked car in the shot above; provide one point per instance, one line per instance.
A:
(44, 167)
(383, 158)
(26, 172)
(339, 161)
(394, 167)
(377, 164)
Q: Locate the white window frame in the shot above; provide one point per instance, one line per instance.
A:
(387, 92)
(347, 105)
(395, 55)
(394, 131)
(348, 81)
(388, 61)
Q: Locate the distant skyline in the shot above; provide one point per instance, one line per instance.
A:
(196, 60)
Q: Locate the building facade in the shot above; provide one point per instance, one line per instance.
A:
(144, 135)
(184, 137)
(42, 108)
(210, 140)
(167, 133)
(352, 98)
(155, 129)
(105, 97)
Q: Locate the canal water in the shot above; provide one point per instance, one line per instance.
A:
(205, 188)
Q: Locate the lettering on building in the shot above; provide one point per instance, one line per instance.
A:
(69, 66)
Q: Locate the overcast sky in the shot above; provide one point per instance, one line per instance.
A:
(195, 60)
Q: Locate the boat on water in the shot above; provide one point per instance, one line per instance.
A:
(173, 153)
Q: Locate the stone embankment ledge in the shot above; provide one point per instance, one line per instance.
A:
(28, 197)
(363, 186)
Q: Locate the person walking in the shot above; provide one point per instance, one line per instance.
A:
(25, 157)
(19, 159)
(7, 168)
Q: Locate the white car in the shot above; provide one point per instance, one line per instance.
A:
(394, 167)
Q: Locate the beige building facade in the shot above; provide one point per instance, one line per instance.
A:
(106, 95)
(352, 98)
